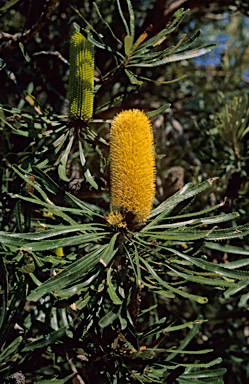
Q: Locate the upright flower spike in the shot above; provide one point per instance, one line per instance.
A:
(81, 77)
(132, 166)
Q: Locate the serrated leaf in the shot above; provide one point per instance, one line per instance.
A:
(168, 205)
(204, 374)
(178, 56)
(123, 18)
(187, 339)
(199, 299)
(207, 266)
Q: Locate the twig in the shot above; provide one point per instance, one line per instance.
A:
(74, 369)
(52, 53)
(14, 40)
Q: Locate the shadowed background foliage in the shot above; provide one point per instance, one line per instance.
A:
(203, 134)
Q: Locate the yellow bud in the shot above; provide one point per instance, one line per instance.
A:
(81, 77)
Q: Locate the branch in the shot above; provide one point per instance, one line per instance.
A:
(14, 40)
(52, 53)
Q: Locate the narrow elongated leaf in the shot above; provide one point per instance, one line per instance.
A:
(69, 275)
(62, 166)
(57, 381)
(86, 171)
(185, 193)
(109, 317)
(107, 25)
(109, 252)
(204, 374)
(49, 233)
(123, 18)
(128, 44)
(4, 277)
(96, 43)
(187, 339)
(17, 213)
(111, 290)
(35, 185)
(199, 299)
(174, 23)
(177, 57)
(207, 266)
(45, 341)
(132, 19)
(232, 291)
(203, 280)
(11, 349)
(8, 5)
(158, 111)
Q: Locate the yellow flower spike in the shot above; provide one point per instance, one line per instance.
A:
(81, 77)
(132, 166)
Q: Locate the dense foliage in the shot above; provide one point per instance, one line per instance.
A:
(87, 296)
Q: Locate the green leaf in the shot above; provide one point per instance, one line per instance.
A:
(128, 44)
(108, 26)
(69, 275)
(4, 279)
(174, 22)
(181, 380)
(109, 252)
(199, 299)
(203, 365)
(132, 19)
(111, 290)
(177, 57)
(62, 166)
(11, 349)
(185, 193)
(187, 339)
(229, 249)
(204, 374)
(158, 111)
(95, 42)
(207, 266)
(35, 185)
(202, 280)
(45, 341)
(123, 18)
(232, 291)
(49, 233)
(8, 5)
(17, 213)
(133, 79)
(110, 317)
(86, 171)
(56, 381)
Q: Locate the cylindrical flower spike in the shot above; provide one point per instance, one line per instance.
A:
(81, 77)
(132, 167)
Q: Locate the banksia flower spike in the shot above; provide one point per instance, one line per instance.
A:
(81, 77)
(132, 166)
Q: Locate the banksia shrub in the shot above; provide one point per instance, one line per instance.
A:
(81, 77)
(132, 167)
